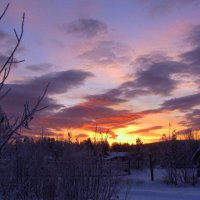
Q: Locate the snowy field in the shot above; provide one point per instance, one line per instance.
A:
(138, 186)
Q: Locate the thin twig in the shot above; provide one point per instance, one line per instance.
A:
(26, 117)
(5, 9)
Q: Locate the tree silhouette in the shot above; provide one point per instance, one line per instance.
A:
(11, 128)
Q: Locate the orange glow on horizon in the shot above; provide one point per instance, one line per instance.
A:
(123, 135)
(150, 129)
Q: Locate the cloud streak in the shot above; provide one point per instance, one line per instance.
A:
(86, 28)
(43, 67)
(146, 130)
(60, 82)
(107, 52)
(182, 103)
(158, 8)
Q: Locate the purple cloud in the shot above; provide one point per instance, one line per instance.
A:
(192, 119)
(145, 130)
(60, 82)
(43, 67)
(182, 103)
(107, 52)
(155, 79)
(86, 28)
(156, 7)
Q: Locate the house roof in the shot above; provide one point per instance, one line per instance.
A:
(115, 154)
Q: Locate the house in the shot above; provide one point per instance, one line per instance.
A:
(118, 162)
(116, 156)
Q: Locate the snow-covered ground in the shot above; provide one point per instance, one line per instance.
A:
(138, 186)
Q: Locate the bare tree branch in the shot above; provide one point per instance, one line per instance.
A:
(5, 9)
(23, 121)
(12, 127)
(19, 38)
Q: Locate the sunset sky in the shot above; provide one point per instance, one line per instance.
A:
(129, 66)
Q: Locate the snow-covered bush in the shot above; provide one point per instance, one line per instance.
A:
(53, 170)
(177, 161)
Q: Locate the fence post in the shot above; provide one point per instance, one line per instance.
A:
(129, 166)
(151, 166)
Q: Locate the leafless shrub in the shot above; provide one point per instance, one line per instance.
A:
(74, 175)
(177, 160)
